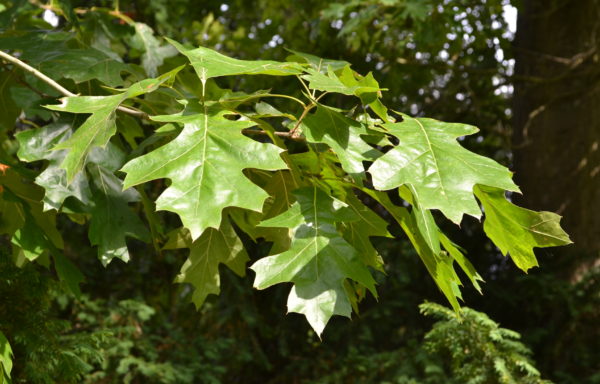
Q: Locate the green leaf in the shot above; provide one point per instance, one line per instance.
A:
(349, 83)
(517, 230)
(321, 169)
(435, 238)
(267, 110)
(177, 239)
(36, 145)
(6, 356)
(424, 220)
(21, 217)
(31, 239)
(111, 218)
(438, 265)
(205, 164)
(208, 63)
(29, 102)
(359, 232)
(58, 61)
(441, 172)
(317, 63)
(129, 128)
(343, 136)
(345, 84)
(370, 98)
(318, 261)
(279, 185)
(27, 42)
(100, 126)
(68, 273)
(82, 65)
(154, 54)
(10, 218)
(463, 262)
(428, 228)
(214, 247)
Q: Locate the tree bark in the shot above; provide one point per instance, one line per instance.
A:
(556, 136)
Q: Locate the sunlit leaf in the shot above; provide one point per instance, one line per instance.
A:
(100, 126)
(209, 63)
(441, 172)
(6, 359)
(318, 261)
(343, 84)
(205, 164)
(317, 63)
(515, 230)
(438, 265)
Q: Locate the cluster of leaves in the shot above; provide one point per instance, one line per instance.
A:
(295, 173)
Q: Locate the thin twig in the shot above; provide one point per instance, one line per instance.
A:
(305, 86)
(286, 135)
(29, 122)
(58, 87)
(41, 94)
(37, 73)
(133, 112)
(321, 96)
(304, 113)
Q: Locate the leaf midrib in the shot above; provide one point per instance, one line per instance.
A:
(434, 157)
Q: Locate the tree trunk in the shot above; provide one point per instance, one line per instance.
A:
(557, 115)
